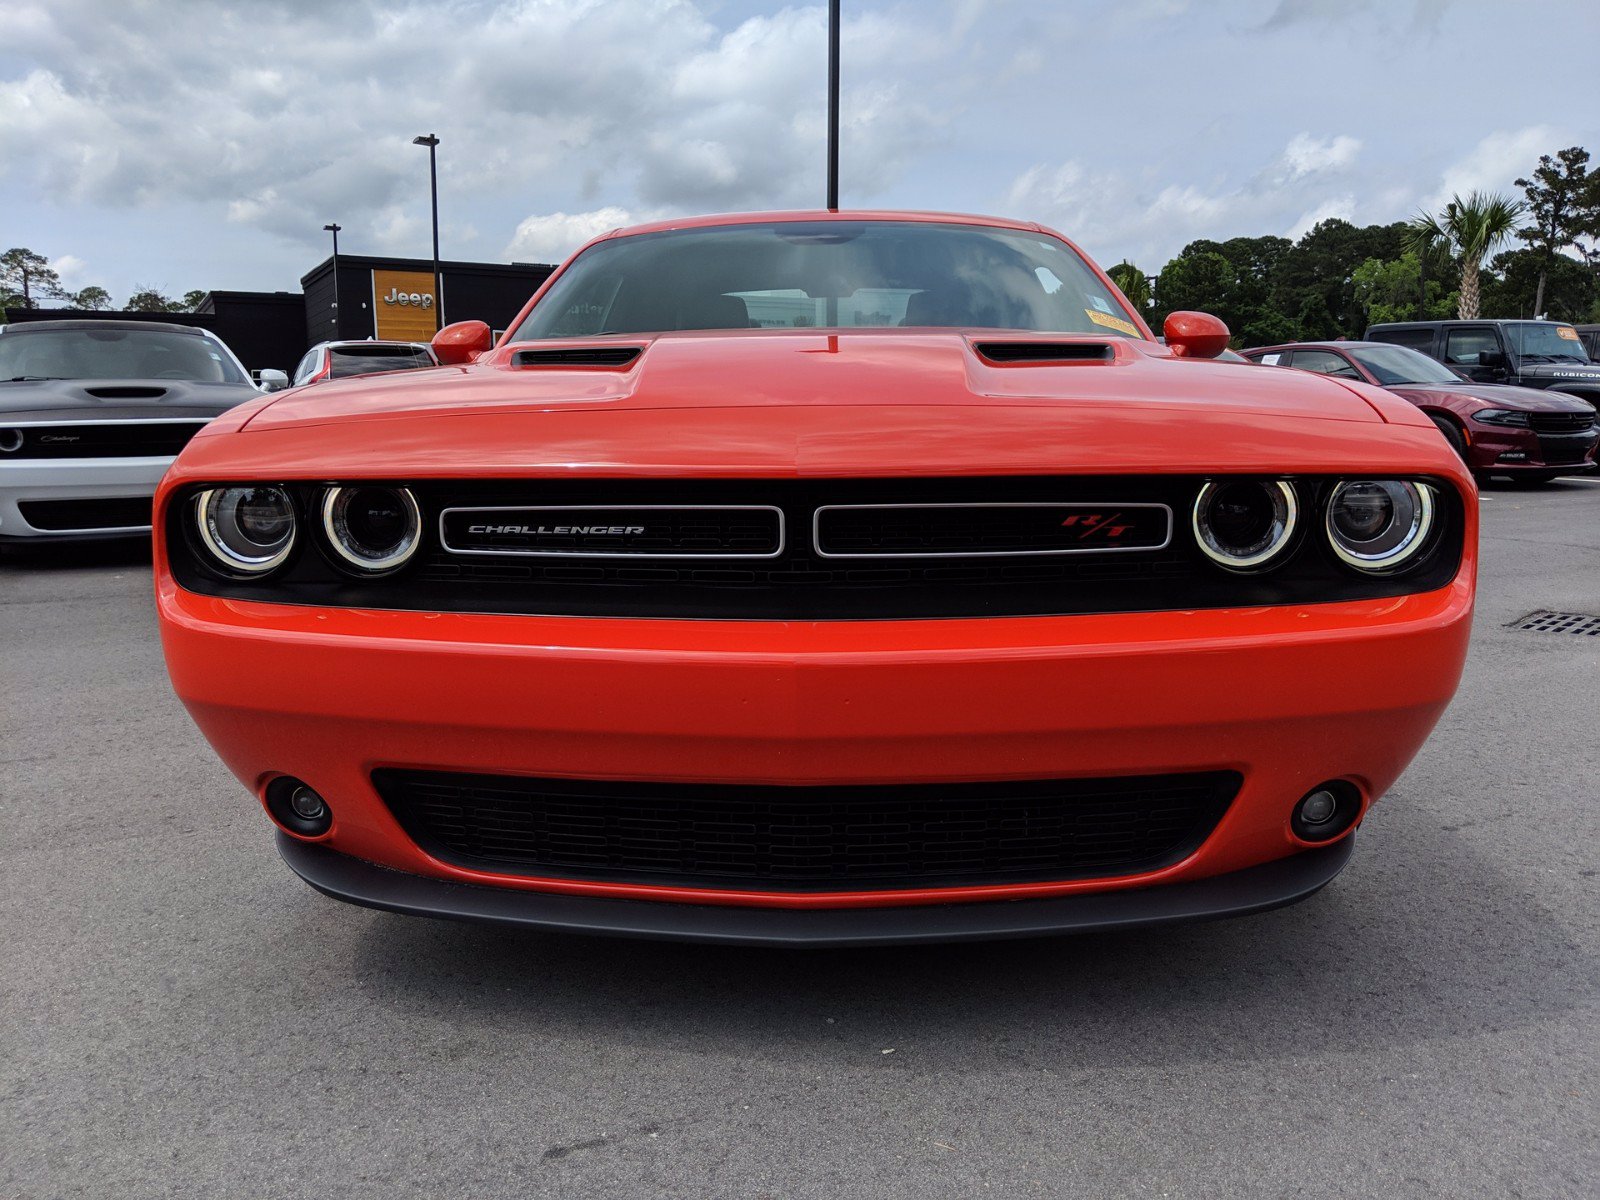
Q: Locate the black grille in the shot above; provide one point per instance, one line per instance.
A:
(988, 529)
(903, 578)
(639, 531)
(64, 516)
(808, 838)
(1562, 451)
(134, 439)
(1561, 422)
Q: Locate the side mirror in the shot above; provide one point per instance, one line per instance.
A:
(1495, 360)
(462, 342)
(1195, 334)
(270, 380)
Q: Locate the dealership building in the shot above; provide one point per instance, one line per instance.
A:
(351, 297)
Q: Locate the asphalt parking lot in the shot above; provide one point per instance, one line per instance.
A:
(183, 1017)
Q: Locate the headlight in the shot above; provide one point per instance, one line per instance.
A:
(248, 530)
(1379, 525)
(1501, 416)
(1245, 524)
(372, 529)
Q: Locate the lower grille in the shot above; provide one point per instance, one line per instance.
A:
(1563, 451)
(808, 838)
(64, 516)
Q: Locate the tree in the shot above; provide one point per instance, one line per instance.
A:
(1511, 280)
(1563, 204)
(28, 276)
(1390, 291)
(191, 300)
(1470, 228)
(92, 297)
(149, 299)
(1133, 282)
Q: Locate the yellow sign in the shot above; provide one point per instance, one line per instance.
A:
(1110, 322)
(404, 307)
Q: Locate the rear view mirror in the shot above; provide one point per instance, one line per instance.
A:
(271, 380)
(462, 342)
(1195, 335)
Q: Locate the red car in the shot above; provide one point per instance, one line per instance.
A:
(820, 578)
(1525, 434)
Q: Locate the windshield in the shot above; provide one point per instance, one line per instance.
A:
(1545, 341)
(828, 274)
(345, 361)
(114, 354)
(1398, 364)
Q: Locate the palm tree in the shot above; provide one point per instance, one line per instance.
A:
(1134, 283)
(1470, 229)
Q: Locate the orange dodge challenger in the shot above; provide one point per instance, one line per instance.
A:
(820, 578)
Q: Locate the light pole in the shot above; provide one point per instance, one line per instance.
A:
(334, 229)
(833, 106)
(432, 143)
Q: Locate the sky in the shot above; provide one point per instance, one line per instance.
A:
(186, 144)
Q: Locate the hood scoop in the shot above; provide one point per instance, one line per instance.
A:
(618, 358)
(1045, 353)
(126, 392)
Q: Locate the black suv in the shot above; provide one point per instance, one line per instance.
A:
(1535, 354)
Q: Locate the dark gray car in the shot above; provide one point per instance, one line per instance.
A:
(91, 415)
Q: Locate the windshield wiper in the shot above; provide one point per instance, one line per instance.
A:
(31, 378)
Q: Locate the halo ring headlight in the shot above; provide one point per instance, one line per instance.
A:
(246, 530)
(372, 529)
(1245, 524)
(1379, 525)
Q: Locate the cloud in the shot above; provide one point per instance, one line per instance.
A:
(284, 120)
(1306, 155)
(1495, 161)
(553, 236)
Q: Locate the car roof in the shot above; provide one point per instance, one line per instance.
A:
(821, 214)
(1364, 345)
(159, 326)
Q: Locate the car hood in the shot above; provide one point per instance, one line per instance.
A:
(1501, 395)
(118, 399)
(799, 369)
(1559, 373)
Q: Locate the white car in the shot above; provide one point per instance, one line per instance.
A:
(93, 412)
(340, 360)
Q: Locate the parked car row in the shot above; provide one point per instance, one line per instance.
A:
(1517, 432)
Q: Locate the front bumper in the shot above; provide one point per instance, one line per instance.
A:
(75, 479)
(1501, 451)
(1287, 696)
(1253, 890)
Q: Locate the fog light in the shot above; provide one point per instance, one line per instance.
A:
(298, 808)
(1315, 809)
(1326, 811)
(308, 805)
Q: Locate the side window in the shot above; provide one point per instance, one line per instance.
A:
(1324, 362)
(1466, 347)
(1417, 339)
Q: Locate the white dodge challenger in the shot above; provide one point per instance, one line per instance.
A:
(92, 412)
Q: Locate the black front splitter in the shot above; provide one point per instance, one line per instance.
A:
(1256, 889)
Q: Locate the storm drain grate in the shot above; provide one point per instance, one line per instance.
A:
(1544, 621)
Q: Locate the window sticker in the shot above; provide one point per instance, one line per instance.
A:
(1110, 322)
(1568, 332)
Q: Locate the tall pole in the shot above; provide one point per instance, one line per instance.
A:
(334, 229)
(833, 105)
(432, 143)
